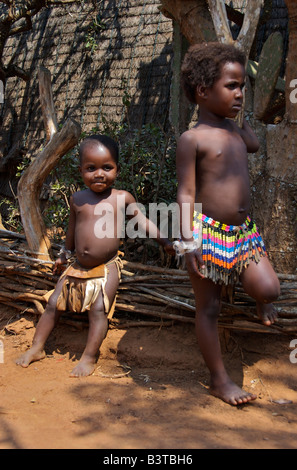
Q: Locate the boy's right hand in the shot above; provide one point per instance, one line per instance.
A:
(59, 265)
(194, 261)
(168, 247)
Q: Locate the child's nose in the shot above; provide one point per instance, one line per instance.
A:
(239, 92)
(99, 172)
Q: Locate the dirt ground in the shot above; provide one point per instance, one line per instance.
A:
(149, 391)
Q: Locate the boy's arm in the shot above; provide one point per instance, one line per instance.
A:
(146, 226)
(69, 241)
(186, 156)
(249, 137)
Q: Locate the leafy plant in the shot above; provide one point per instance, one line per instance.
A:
(11, 213)
(91, 37)
(147, 165)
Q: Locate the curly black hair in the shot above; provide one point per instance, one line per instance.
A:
(105, 140)
(202, 65)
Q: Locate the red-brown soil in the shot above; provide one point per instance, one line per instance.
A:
(149, 391)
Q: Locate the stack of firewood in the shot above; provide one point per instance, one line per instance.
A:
(147, 295)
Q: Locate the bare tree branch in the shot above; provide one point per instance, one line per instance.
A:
(219, 17)
(20, 11)
(248, 30)
(15, 71)
(30, 185)
(47, 103)
(23, 28)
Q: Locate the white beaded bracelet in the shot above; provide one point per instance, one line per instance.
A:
(182, 247)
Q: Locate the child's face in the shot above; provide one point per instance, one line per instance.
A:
(98, 167)
(225, 97)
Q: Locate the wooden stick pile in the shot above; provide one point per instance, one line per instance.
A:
(164, 295)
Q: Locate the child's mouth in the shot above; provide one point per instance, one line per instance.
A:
(98, 184)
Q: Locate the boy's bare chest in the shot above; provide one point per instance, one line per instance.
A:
(222, 149)
(220, 141)
(89, 213)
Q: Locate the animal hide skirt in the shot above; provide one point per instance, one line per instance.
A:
(82, 286)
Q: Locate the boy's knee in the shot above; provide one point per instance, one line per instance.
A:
(51, 305)
(97, 312)
(270, 291)
(211, 310)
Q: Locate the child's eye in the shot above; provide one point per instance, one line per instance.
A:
(233, 86)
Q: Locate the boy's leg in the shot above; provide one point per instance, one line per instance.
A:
(208, 303)
(47, 321)
(261, 283)
(98, 326)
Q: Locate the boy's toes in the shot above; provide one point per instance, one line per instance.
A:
(267, 314)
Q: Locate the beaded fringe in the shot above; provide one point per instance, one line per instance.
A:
(228, 249)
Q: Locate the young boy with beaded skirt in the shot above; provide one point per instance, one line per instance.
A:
(221, 244)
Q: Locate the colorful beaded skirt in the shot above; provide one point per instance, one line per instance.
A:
(227, 249)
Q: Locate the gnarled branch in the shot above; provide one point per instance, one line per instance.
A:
(30, 184)
(219, 17)
(47, 103)
(247, 32)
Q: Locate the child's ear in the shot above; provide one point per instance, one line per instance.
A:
(201, 91)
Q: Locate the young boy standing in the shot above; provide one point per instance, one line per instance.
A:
(96, 220)
(212, 169)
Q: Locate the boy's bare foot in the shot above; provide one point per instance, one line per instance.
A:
(229, 392)
(267, 313)
(83, 368)
(29, 356)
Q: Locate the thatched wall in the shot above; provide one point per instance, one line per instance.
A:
(131, 61)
